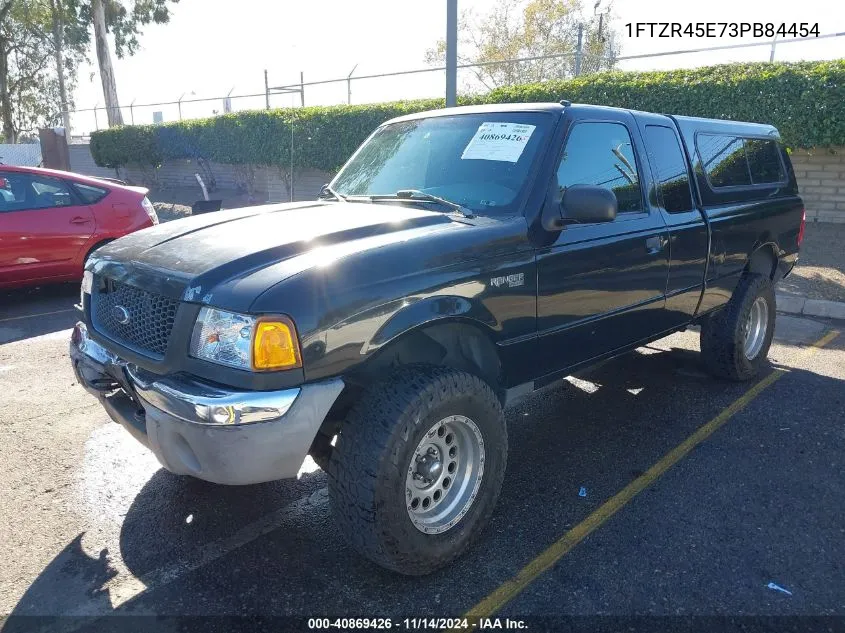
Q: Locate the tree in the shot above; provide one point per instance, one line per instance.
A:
(107, 77)
(70, 42)
(113, 16)
(29, 91)
(71, 24)
(9, 134)
(531, 29)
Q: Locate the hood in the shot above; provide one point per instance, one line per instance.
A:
(191, 256)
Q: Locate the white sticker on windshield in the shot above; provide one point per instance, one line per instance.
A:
(498, 141)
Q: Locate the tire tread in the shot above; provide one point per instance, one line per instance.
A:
(721, 334)
(377, 428)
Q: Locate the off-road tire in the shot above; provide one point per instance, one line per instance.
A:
(722, 338)
(368, 467)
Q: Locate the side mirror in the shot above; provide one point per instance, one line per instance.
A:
(580, 204)
(588, 204)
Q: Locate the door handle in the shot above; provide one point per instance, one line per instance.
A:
(79, 220)
(655, 244)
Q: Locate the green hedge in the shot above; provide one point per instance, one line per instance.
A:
(804, 100)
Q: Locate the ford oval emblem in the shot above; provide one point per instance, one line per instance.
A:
(120, 314)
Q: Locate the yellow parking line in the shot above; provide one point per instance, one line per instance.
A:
(41, 314)
(508, 590)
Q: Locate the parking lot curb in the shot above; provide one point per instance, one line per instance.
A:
(792, 304)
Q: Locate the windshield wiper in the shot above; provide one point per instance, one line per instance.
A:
(416, 194)
(338, 196)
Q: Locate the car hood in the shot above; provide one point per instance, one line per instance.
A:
(188, 258)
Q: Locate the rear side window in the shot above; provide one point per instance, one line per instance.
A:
(89, 193)
(731, 161)
(602, 154)
(764, 161)
(723, 159)
(670, 168)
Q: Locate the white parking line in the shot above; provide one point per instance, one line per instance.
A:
(39, 314)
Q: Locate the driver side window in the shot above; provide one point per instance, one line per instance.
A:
(602, 154)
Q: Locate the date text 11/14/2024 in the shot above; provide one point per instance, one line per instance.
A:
(418, 624)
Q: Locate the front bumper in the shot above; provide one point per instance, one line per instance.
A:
(203, 430)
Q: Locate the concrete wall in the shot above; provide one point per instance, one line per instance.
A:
(821, 181)
(82, 162)
(820, 174)
(267, 183)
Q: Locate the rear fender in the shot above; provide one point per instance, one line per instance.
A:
(763, 259)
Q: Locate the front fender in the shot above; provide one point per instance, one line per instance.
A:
(419, 313)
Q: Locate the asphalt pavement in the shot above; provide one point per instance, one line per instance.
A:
(615, 503)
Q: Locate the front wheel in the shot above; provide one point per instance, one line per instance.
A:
(418, 468)
(735, 341)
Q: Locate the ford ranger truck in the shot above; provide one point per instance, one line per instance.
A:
(460, 259)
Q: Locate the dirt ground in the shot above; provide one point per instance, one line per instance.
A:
(172, 203)
(820, 273)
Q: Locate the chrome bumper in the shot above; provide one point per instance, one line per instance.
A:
(203, 430)
(200, 403)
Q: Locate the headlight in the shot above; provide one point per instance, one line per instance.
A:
(85, 287)
(150, 209)
(245, 342)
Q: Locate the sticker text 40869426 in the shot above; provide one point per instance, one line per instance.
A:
(498, 141)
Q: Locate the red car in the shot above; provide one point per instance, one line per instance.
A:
(51, 220)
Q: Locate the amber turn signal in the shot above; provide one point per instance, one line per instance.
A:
(275, 346)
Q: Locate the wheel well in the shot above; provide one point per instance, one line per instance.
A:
(95, 247)
(763, 261)
(451, 344)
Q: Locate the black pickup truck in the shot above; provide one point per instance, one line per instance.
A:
(460, 259)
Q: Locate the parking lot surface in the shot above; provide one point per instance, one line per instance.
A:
(615, 503)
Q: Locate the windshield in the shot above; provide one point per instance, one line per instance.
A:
(480, 161)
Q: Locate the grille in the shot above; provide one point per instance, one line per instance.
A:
(150, 322)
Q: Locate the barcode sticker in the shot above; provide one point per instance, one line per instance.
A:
(498, 141)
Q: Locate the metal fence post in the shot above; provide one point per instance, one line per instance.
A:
(290, 184)
(579, 51)
(451, 53)
(349, 85)
(266, 90)
(302, 88)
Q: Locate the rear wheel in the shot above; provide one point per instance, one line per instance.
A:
(418, 467)
(735, 341)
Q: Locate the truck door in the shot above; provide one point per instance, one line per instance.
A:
(602, 286)
(688, 233)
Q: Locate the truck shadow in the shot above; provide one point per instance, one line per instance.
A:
(593, 433)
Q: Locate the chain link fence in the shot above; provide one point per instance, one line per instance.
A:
(418, 83)
(21, 155)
